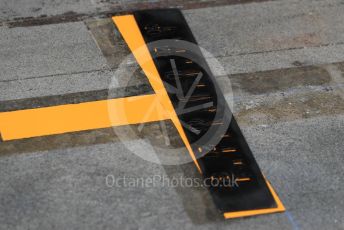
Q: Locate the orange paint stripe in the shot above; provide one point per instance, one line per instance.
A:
(229, 150)
(132, 35)
(280, 208)
(243, 179)
(76, 117)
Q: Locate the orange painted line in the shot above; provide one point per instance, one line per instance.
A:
(243, 179)
(229, 150)
(131, 33)
(76, 117)
(239, 162)
(280, 208)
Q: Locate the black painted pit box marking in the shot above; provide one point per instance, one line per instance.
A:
(232, 155)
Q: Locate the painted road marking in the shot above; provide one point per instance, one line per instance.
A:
(77, 117)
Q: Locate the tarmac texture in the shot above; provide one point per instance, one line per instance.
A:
(284, 67)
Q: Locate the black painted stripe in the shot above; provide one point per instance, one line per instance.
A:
(218, 161)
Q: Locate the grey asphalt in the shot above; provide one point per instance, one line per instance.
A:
(284, 61)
